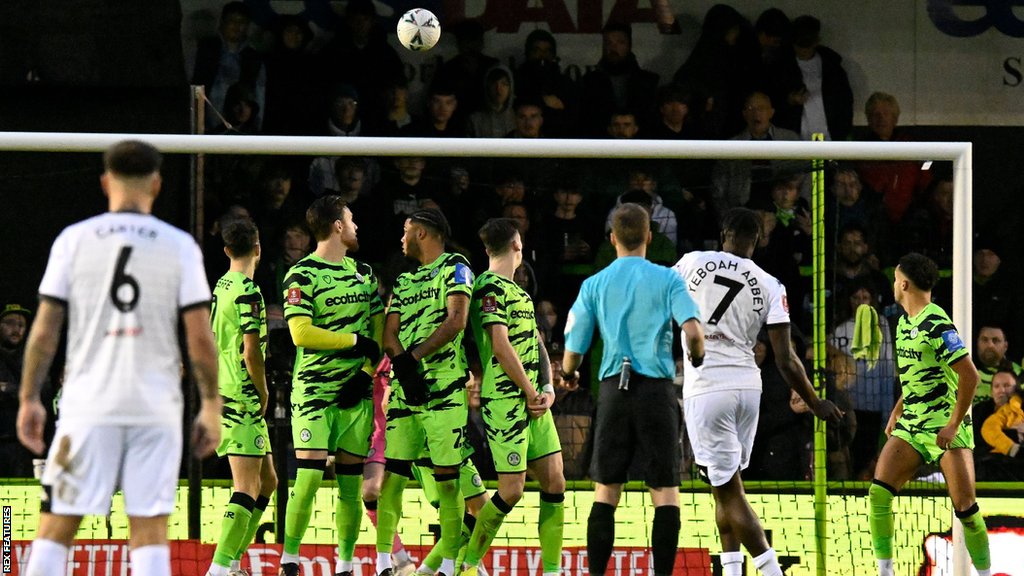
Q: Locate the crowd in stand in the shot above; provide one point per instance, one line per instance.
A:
(770, 80)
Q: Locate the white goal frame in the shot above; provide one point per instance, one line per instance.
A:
(960, 153)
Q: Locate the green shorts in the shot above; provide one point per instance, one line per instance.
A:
(436, 431)
(515, 438)
(924, 440)
(334, 429)
(469, 482)
(243, 433)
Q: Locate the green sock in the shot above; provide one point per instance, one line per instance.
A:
(880, 519)
(349, 511)
(254, 525)
(433, 559)
(389, 510)
(233, 528)
(550, 523)
(976, 537)
(468, 521)
(300, 504)
(450, 513)
(487, 524)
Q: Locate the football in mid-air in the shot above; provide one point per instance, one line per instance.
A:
(419, 30)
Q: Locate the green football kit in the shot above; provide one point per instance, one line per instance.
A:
(513, 436)
(237, 309)
(436, 430)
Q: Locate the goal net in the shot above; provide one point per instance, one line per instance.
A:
(806, 482)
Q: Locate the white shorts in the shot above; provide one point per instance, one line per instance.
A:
(721, 428)
(88, 463)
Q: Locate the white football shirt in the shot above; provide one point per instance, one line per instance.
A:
(125, 279)
(736, 298)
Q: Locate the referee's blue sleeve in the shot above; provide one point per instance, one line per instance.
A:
(683, 307)
(579, 327)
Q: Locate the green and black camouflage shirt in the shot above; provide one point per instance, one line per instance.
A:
(499, 300)
(237, 309)
(926, 346)
(421, 303)
(340, 297)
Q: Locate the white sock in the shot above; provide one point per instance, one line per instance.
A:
(383, 561)
(985, 572)
(216, 570)
(47, 557)
(732, 563)
(447, 567)
(401, 556)
(154, 560)
(342, 566)
(885, 567)
(424, 569)
(551, 574)
(767, 563)
(287, 558)
(236, 565)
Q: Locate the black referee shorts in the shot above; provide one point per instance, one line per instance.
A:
(642, 423)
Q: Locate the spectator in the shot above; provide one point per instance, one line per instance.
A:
(871, 385)
(774, 253)
(495, 118)
(550, 324)
(996, 293)
(400, 192)
(812, 93)
(673, 121)
(660, 250)
(794, 217)
(359, 53)
(622, 125)
(1004, 431)
(851, 263)
(991, 358)
(1004, 386)
(663, 220)
(392, 116)
(14, 322)
(465, 72)
(441, 106)
(733, 178)
(292, 81)
(278, 203)
(897, 182)
(227, 59)
(241, 111)
(927, 225)
(774, 33)
(214, 259)
(295, 244)
(529, 119)
(849, 203)
(568, 234)
(573, 410)
(617, 81)
(352, 177)
(526, 275)
(541, 78)
(344, 119)
(724, 62)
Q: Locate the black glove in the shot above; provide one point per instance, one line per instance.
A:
(357, 388)
(407, 371)
(697, 362)
(367, 348)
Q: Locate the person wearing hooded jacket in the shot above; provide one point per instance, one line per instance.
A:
(494, 118)
(617, 82)
(540, 78)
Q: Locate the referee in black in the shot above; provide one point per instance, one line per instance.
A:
(633, 302)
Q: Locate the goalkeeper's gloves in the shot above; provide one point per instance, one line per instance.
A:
(353, 391)
(407, 372)
(367, 348)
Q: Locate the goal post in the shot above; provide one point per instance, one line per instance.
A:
(960, 153)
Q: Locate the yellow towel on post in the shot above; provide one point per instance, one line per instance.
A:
(867, 335)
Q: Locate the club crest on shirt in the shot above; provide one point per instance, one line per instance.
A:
(327, 279)
(489, 304)
(513, 459)
(359, 276)
(477, 481)
(913, 332)
(294, 296)
(260, 442)
(433, 273)
(305, 435)
(785, 303)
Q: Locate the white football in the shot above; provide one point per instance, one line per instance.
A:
(419, 30)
